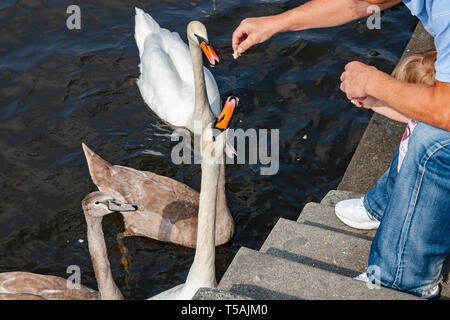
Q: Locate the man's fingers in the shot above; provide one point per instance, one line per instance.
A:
(238, 36)
(244, 45)
(348, 65)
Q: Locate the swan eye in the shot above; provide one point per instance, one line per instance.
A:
(201, 39)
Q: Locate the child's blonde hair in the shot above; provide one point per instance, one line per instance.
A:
(418, 68)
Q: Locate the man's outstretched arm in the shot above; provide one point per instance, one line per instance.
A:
(313, 14)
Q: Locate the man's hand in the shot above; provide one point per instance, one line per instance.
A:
(424, 103)
(252, 31)
(310, 15)
(355, 79)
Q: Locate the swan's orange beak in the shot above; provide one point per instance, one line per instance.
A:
(209, 53)
(223, 120)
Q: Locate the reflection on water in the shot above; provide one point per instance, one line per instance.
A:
(59, 88)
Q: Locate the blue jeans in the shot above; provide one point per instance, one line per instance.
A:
(413, 206)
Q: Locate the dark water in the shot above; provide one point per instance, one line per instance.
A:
(59, 88)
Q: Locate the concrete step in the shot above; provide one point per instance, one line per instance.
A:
(217, 294)
(320, 248)
(322, 216)
(264, 276)
(334, 196)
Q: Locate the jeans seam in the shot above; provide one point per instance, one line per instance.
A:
(369, 209)
(412, 204)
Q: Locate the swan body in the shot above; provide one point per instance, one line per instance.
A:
(168, 209)
(166, 73)
(32, 286)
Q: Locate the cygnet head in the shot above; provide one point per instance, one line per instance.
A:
(98, 204)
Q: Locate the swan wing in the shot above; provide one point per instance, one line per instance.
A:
(32, 286)
(212, 91)
(144, 25)
(168, 209)
(139, 187)
(163, 83)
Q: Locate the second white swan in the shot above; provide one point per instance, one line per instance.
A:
(167, 71)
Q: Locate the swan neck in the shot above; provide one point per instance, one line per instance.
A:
(201, 107)
(203, 271)
(222, 207)
(107, 288)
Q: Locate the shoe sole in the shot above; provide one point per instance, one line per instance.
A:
(372, 225)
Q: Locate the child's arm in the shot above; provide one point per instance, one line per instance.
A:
(382, 108)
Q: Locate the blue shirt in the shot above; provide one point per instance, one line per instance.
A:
(435, 16)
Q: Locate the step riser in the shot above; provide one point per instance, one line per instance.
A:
(262, 276)
(313, 258)
(334, 252)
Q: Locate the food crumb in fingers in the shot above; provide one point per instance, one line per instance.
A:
(357, 103)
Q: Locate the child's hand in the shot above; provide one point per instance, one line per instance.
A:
(368, 102)
(379, 107)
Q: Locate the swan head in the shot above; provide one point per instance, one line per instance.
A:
(98, 204)
(197, 34)
(223, 120)
(214, 136)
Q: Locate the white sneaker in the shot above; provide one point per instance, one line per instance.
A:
(362, 277)
(426, 294)
(431, 293)
(352, 213)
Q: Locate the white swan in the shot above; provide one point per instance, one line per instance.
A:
(32, 286)
(167, 70)
(191, 102)
(202, 272)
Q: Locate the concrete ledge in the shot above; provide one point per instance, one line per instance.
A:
(335, 196)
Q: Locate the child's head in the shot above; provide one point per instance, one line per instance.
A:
(418, 68)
